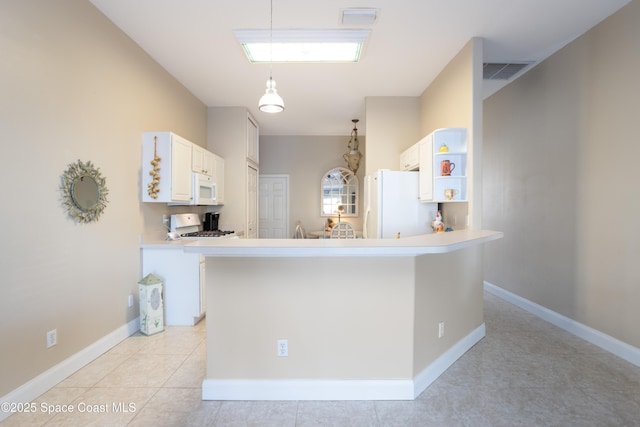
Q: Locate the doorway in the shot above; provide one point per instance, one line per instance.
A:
(274, 207)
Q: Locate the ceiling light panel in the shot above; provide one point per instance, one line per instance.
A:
(303, 52)
(303, 45)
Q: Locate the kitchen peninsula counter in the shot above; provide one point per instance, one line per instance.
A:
(408, 246)
(363, 319)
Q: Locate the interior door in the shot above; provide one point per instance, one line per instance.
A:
(274, 207)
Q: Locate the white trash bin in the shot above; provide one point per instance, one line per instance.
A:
(151, 305)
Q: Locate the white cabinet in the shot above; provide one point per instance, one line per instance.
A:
(202, 161)
(425, 150)
(197, 159)
(210, 164)
(252, 203)
(233, 133)
(166, 157)
(419, 157)
(219, 177)
(450, 150)
(251, 222)
(252, 140)
(168, 164)
(202, 285)
(410, 158)
(183, 275)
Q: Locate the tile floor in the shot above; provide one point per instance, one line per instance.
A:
(525, 372)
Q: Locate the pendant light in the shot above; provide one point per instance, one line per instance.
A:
(353, 154)
(271, 102)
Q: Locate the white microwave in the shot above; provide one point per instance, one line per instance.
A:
(204, 189)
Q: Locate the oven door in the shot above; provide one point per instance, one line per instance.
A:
(204, 189)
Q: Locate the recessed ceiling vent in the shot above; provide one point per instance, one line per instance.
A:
(359, 16)
(502, 70)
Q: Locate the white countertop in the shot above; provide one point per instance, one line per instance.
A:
(407, 246)
(164, 244)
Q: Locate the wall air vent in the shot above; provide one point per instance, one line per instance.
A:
(502, 70)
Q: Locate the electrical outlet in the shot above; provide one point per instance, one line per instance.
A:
(165, 219)
(130, 300)
(52, 338)
(440, 329)
(283, 348)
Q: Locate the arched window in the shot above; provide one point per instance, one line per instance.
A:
(339, 193)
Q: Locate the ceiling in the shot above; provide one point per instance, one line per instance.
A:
(410, 43)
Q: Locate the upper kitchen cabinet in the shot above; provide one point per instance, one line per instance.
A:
(419, 157)
(410, 158)
(202, 161)
(166, 168)
(425, 150)
(233, 133)
(441, 158)
(219, 177)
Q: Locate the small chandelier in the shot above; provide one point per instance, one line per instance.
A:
(353, 155)
(271, 102)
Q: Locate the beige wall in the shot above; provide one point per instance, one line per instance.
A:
(444, 292)
(334, 321)
(344, 318)
(73, 87)
(454, 99)
(560, 180)
(393, 125)
(448, 100)
(305, 159)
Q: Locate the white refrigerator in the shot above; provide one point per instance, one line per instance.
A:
(392, 205)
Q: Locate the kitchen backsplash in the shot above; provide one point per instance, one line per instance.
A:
(454, 215)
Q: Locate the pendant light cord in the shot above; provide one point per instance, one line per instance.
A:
(271, 42)
(271, 102)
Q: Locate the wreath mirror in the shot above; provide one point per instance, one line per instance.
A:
(84, 192)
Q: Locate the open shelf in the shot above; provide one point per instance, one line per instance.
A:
(455, 139)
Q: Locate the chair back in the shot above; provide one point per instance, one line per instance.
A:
(343, 230)
(299, 233)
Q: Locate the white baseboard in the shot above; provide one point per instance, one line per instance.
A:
(307, 390)
(48, 379)
(613, 345)
(339, 389)
(442, 363)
